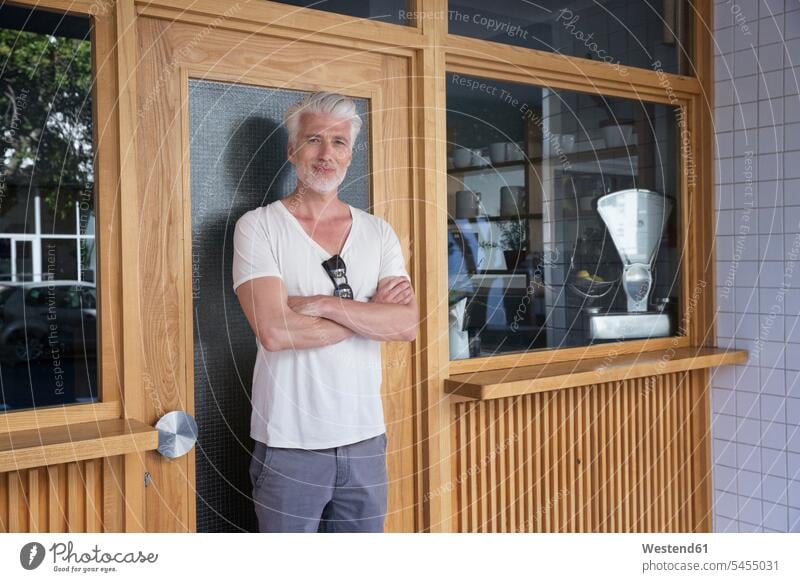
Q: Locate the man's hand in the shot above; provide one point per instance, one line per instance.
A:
(393, 290)
(312, 305)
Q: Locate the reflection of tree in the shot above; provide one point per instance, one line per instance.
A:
(45, 101)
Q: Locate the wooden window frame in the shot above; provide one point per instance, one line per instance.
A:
(491, 60)
(472, 61)
(105, 143)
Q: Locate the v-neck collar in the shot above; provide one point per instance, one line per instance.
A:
(293, 220)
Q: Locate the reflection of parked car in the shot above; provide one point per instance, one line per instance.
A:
(38, 317)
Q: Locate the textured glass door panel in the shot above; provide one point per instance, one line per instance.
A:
(238, 162)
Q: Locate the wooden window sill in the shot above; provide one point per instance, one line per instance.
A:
(53, 445)
(556, 376)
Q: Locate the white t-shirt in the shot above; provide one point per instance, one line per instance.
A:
(327, 396)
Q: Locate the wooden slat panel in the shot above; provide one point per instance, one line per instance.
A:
(502, 467)
(669, 460)
(63, 498)
(627, 444)
(619, 456)
(459, 497)
(4, 502)
(618, 460)
(532, 408)
(591, 429)
(472, 499)
(56, 499)
(489, 468)
(602, 416)
(564, 460)
(34, 510)
(657, 413)
(646, 435)
(75, 497)
(547, 506)
(522, 462)
(94, 495)
(684, 439)
(583, 482)
(515, 461)
(113, 497)
(17, 503)
(479, 414)
(525, 438)
(641, 446)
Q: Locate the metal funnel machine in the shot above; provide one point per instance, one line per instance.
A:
(635, 219)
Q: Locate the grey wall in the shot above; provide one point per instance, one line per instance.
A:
(756, 407)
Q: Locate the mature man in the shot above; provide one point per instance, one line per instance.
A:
(322, 283)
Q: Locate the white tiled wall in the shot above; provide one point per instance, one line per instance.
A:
(756, 407)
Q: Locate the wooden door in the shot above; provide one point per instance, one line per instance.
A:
(171, 57)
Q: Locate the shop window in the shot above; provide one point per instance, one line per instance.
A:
(563, 217)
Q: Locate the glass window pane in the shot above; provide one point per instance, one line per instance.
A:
(59, 212)
(5, 257)
(88, 258)
(540, 255)
(23, 260)
(61, 261)
(625, 33)
(48, 351)
(16, 214)
(391, 11)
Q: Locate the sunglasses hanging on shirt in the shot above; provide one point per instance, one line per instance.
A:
(337, 271)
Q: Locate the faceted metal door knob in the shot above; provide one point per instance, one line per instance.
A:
(177, 434)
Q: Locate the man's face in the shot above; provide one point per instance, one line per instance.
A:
(322, 152)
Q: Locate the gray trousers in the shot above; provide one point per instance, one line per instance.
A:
(342, 489)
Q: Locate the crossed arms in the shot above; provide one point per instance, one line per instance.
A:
(282, 322)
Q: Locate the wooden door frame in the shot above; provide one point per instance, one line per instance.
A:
(164, 71)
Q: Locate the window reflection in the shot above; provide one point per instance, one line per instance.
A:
(531, 261)
(622, 33)
(391, 11)
(48, 318)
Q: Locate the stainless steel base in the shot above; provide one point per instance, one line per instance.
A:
(628, 325)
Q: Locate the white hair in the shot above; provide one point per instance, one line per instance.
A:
(322, 102)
